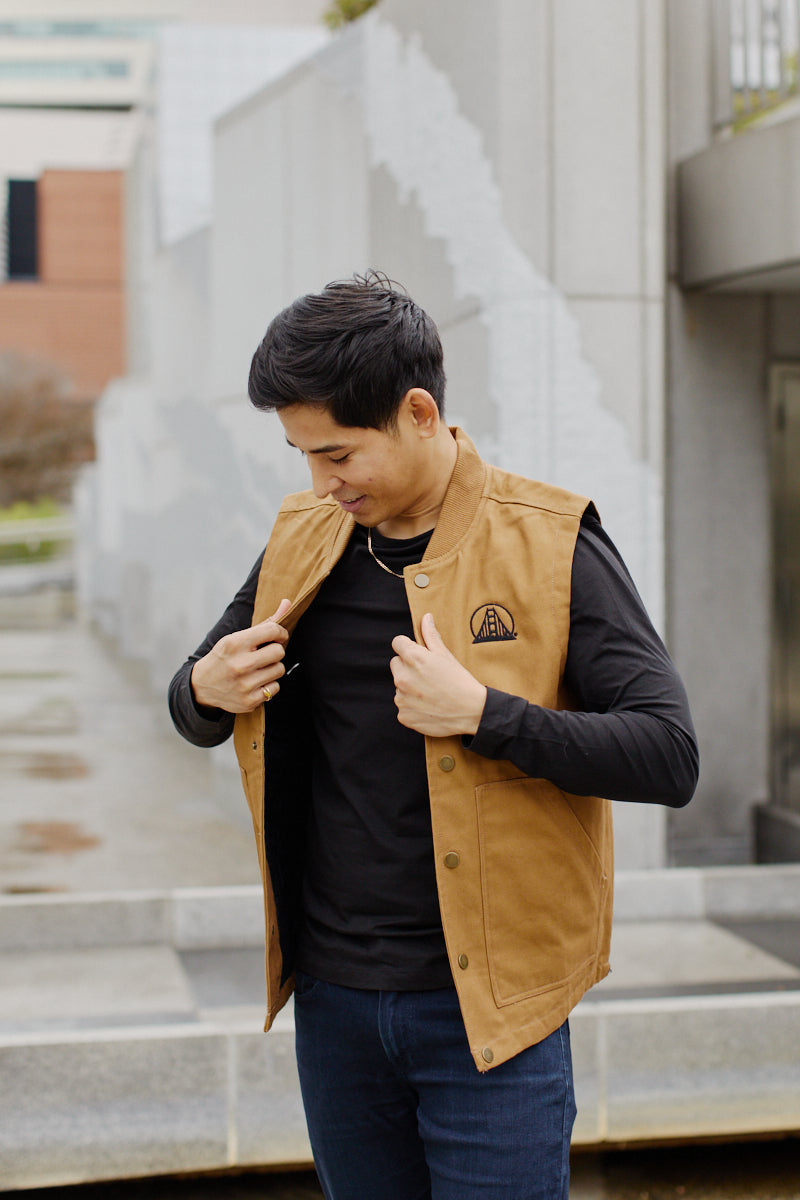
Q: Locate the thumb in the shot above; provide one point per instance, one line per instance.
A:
(430, 634)
(264, 631)
(280, 611)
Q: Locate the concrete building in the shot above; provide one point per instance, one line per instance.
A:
(69, 307)
(610, 252)
(71, 94)
(733, 509)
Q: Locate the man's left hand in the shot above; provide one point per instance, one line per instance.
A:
(435, 694)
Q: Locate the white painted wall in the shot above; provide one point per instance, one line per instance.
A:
(203, 70)
(505, 164)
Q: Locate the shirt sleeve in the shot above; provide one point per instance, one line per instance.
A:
(632, 738)
(211, 726)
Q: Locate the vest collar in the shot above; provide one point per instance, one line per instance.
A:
(461, 500)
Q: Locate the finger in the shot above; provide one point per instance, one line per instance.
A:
(280, 611)
(263, 658)
(430, 634)
(267, 686)
(402, 644)
(269, 678)
(270, 629)
(267, 631)
(267, 692)
(400, 675)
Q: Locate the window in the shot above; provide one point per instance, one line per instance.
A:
(63, 69)
(129, 28)
(22, 258)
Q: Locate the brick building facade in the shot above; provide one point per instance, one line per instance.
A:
(72, 310)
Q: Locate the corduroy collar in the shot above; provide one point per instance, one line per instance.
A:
(461, 499)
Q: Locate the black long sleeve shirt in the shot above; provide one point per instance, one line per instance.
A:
(370, 912)
(632, 737)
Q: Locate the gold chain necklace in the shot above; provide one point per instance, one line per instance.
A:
(378, 561)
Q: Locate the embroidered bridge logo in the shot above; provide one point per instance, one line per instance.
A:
(492, 623)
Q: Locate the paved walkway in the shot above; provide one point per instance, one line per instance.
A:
(99, 791)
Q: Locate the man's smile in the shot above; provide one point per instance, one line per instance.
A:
(351, 505)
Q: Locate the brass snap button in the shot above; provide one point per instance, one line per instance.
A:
(451, 860)
(421, 580)
(255, 745)
(447, 762)
(463, 961)
(487, 1054)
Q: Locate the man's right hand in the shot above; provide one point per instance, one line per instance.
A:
(233, 675)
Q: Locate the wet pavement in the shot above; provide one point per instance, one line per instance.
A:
(99, 792)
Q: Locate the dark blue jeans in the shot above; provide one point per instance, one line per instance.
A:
(397, 1109)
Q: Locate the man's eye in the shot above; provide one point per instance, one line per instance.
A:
(344, 458)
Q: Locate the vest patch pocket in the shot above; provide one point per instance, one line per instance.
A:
(542, 884)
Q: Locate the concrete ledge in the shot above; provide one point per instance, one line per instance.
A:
(214, 918)
(103, 919)
(659, 895)
(738, 226)
(709, 893)
(186, 918)
(139, 1102)
(711, 1066)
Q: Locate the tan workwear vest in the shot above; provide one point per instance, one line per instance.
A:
(524, 871)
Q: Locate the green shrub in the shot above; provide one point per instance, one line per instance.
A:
(26, 550)
(341, 12)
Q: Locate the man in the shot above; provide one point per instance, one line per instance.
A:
(431, 674)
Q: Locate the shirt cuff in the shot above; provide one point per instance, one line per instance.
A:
(500, 722)
(203, 718)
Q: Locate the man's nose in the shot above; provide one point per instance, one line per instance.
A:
(323, 481)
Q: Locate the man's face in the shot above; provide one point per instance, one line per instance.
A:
(376, 475)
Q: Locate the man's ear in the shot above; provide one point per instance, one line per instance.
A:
(423, 411)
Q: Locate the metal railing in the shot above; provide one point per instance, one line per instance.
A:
(758, 43)
(36, 532)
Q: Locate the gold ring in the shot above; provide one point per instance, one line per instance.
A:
(267, 694)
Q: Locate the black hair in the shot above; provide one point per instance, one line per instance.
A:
(355, 348)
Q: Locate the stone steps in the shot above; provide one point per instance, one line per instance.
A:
(130, 1027)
